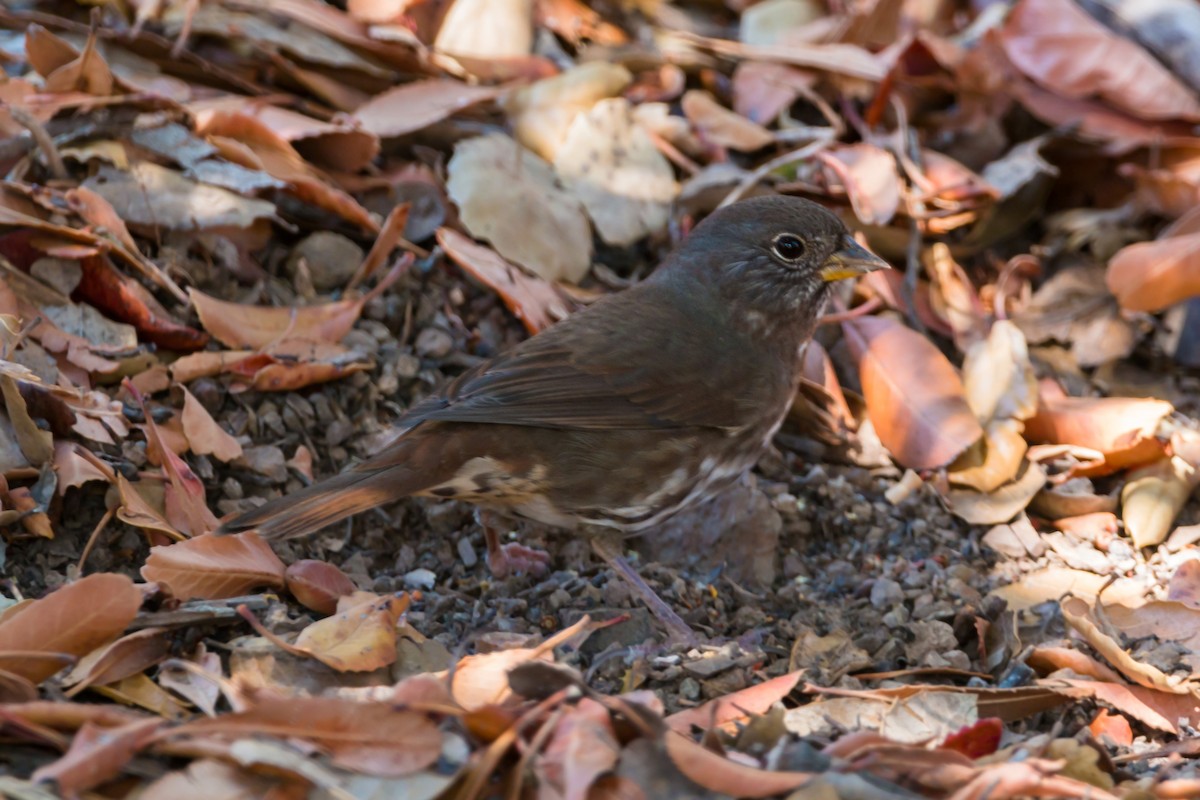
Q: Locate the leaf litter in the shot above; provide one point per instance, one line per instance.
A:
(966, 568)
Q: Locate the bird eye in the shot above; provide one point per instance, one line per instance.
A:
(788, 247)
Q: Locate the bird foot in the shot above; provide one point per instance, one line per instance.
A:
(512, 557)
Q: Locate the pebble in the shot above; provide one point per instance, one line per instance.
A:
(886, 593)
(434, 343)
(466, 552)
(331, 259)
(267, 460)
(690, 688)
(420, 579)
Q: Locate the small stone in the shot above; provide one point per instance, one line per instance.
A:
(420, 579)
(466, 552)
(408, 366)
(689, 688)
(886, 593)
(331, 259)
(267, 460)
(434, 343)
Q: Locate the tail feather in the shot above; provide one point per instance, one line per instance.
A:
(317, 506)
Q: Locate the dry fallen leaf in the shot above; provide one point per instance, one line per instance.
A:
(914, 396)
(533, 222)
(69, 622)
(212, 567)
(609, 163)
(542, 113)
(1122, 429)
(868, 175)
(1151, 276)
(203, 433)
(722, 127)
(361, 638)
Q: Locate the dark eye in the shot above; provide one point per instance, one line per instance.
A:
(789, 247)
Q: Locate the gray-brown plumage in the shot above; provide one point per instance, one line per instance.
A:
(643, 403)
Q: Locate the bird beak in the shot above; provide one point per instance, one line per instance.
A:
(851, 261)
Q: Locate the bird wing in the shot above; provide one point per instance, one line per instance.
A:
(609, 367)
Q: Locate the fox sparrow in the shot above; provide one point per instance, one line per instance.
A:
(645, 402)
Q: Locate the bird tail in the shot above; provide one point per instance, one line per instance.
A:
(309, 510)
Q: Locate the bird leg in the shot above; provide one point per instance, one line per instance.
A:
(504, 559)
(678, 631)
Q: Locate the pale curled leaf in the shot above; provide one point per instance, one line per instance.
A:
(1153, 496)
(203, 433)
(213, 567)
(610, 164)
(914, 395)
(1151, 276)
(532, 222)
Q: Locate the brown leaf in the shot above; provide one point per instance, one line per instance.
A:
(96, 755)
(721, 126)
(295, 363)
(534, 301)
(868, 174)
(361, 638)
(375, 738)
(762, 90)
(914, 395)
(1058, 45)
(127, 656)
(126, 300)
(995, 460)
(137, 511)
(736, 706)
(418, 105)
(73, 620)
(1080, 616)
(213, 567)
(251, 327)
(1122, 429)
(1163, 711)
(1151, 276)
(318, 585)
(725, 776)
(542, 112)
(1184, 586)
(203, 433)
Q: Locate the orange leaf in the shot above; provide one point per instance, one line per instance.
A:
(318, 585)
(203, 433)
(1121, 428)
(914, 395)
(74, 620)
(360, 639)
(250, 327)
(376, 738)
(213, 567)
(96, 755)
(1151, 276)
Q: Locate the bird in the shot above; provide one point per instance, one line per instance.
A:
(646, 402)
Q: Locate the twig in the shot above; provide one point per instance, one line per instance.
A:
(808, 151)
(95, 536)
(29, 122)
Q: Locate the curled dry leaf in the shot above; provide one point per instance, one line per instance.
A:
(534, 301)
(317, 584)
(213, 567)
(722, 711)
(284, 366)
(543, 112)
(1153, 496)
(1123, 429)
(610, 164)
(203, 433)
(126, 300)
(1058, 45)
(361, 638)
(725, 776)
(914, 396)
(96, 755)
(1000, 505)
(71, 622)
(1166, 620)
(582, 747)
(1151, 276)
(994, 460)
(1080, 616)
(533, 222)
(868, 174)
(763, 90)
(997, 376)
(375, 738)
(720, 126)
(127, 656)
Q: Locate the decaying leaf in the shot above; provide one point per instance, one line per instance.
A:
(914, 395)
(210, 567)
(533, 222)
